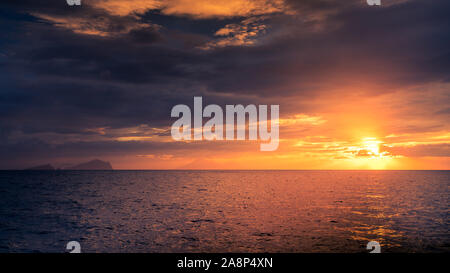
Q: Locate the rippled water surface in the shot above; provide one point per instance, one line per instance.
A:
(224, 211)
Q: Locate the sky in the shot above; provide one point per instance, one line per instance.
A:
(359, 87)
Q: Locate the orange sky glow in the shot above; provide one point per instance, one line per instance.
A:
(377, 133)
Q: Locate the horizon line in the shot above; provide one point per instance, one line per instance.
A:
(235, 170)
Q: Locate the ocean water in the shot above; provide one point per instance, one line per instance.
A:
(224, 211)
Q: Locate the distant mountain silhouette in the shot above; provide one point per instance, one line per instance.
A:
(95, 164)
(46, 167)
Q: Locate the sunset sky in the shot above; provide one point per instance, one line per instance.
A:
(359, 87)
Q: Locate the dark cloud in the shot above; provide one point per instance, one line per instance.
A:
(144, 36)
(436, 150)
(445, 111)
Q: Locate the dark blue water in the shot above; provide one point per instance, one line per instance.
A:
(224, 211)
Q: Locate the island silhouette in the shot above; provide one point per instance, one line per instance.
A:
(46, 167)
(93, 165)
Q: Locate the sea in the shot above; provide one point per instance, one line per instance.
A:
(225, 211)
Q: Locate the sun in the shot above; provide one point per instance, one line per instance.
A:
(368, 154)
(372, 146)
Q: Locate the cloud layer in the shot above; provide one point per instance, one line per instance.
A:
(100, 80)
